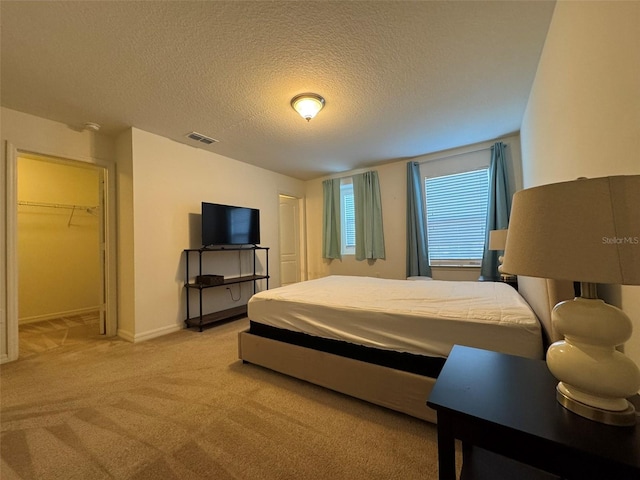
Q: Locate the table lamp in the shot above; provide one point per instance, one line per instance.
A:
(586, 230)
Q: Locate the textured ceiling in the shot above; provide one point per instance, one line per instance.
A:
(400, 78)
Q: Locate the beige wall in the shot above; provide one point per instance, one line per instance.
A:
(126, 270)
(393, 188)
(583, 115)
(58, 248)
(163, 186)
(393, 192)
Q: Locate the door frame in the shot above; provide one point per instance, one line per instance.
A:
(13, 151)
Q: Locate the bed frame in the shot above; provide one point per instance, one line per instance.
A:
(395, 389)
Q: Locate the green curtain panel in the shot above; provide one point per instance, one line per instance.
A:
(417, 243)
(331, 219)
(368, 213)
(499, 207)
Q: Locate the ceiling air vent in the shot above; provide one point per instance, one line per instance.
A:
(198, 137)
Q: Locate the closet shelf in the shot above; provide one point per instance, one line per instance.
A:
(58, 205)
(89, 209)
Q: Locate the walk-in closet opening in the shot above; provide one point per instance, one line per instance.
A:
(60, 252)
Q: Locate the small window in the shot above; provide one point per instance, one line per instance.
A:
(347, 217)
(456, 218)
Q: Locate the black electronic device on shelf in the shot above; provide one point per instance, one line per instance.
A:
(210, 279)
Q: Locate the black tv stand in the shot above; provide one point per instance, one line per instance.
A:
(190, 284)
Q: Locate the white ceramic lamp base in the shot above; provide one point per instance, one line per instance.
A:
(595, 378)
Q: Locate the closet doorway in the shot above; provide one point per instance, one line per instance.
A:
(60, 252)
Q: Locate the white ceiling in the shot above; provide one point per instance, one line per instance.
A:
(400, 78)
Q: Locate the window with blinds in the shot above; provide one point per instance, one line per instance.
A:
(456, 217)
(348, 220)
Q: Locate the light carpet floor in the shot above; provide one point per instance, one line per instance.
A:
(38, 337)
(184, 407)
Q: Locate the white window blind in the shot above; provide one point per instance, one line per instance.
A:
(456, 217)
(348, 217)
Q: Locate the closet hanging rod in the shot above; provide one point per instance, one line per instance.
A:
(58, 205)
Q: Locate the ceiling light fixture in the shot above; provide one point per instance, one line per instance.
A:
(307, 105)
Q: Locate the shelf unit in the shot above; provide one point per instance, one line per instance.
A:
(201, 319)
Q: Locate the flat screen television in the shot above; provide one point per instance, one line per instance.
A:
(229, 225)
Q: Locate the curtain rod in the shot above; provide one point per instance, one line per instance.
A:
(456, 154)
(357, 171)
(341, 176)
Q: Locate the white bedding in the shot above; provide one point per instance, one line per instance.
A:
(422, 317)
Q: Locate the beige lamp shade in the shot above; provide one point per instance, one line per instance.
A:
(586, 230)
(497, 239)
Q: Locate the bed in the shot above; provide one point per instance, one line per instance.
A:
(385, 341)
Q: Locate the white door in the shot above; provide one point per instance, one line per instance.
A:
(289, 240)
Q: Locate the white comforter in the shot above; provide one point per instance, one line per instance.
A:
(422, 317)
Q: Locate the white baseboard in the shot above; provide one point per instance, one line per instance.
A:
(52, 316)
(126, 335)
(141, 337)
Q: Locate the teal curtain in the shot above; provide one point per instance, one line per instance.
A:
(417, 243)
(331, 219)
(498, 209)
(368, 213)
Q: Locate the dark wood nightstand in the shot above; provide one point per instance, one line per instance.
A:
(504, 410)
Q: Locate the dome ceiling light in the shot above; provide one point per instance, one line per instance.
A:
(307, 105)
